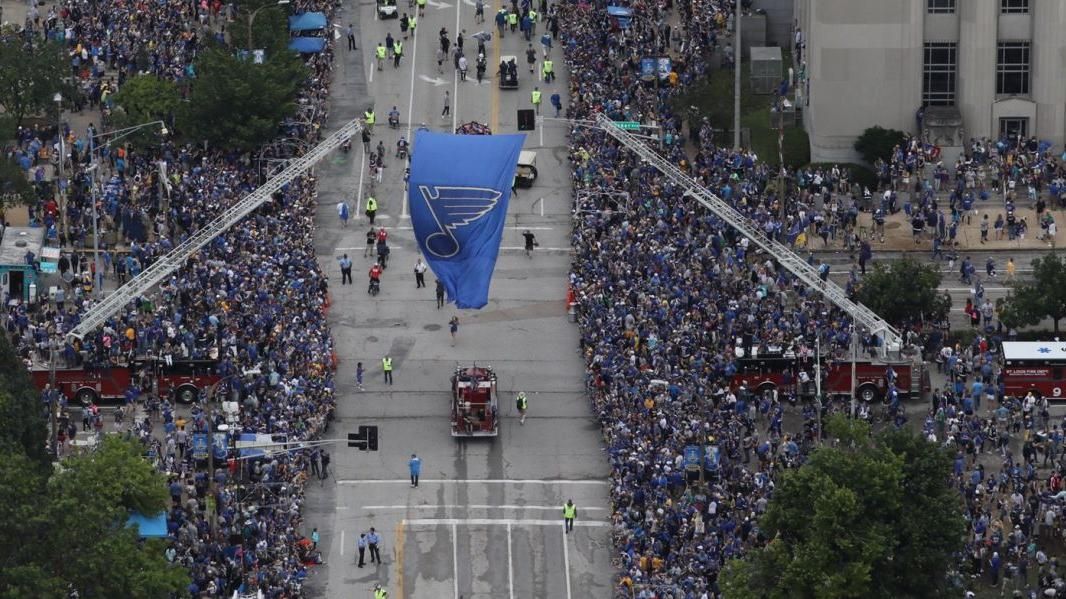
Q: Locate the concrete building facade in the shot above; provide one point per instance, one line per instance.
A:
(1000, 63)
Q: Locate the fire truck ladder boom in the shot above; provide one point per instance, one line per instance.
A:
(860, 314)
(162, 268)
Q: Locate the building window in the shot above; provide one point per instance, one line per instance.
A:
(1013, 6)
(1012, 69)
(938, 74)
(941, 6)
(1014, 127)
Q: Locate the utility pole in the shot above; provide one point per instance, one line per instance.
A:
(854, 377)
(818, 387)
(52, 397)
(739, 58)
(62, 229)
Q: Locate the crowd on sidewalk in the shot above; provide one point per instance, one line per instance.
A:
(670, 297)
(252, 300)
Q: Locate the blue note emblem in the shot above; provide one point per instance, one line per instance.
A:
(453, 208)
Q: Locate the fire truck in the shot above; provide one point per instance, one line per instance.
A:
(1034, 367)
(181, 380)
(475, 404)
(782, 371)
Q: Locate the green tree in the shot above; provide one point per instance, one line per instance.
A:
(904, 291)
(144, 99)
(238, 104)
(1043, 297)
(30, 76)
(24, 417)
(73, 525)
(874, 517)
(878, 142)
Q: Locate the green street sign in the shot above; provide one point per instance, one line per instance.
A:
(627, 125)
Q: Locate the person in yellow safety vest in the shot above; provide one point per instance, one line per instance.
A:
(548, 70)
(380, 593)
(368, 118)
(521, 403)
(386, 366)
(411, 24)
(535, 97)
(421, 8)
(532, 22)
(512, 20)
(371, 208)
(397, 51)
(569, 513)
(380, 52)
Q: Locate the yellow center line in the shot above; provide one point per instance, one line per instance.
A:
(400, 536)
(494, 114)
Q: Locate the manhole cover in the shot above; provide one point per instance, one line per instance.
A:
(432, 327)
(372, 339)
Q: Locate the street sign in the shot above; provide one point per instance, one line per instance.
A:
(365, 439)
(627, 125)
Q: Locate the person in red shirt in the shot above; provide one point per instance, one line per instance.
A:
(383, 235)
(375, 276)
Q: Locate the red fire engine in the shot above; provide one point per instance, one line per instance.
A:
(1034, 367)
(762, 373)
(180, 379)
(475, 404)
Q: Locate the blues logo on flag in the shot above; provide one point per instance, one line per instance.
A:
(458, 192)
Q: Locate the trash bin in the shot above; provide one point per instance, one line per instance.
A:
(571, 311)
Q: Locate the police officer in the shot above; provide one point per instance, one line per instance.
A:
(522, 403)
(381, 52)
(380, 593)
(361, 545)
(548, 69)
(346, 270)
(372, 540)
(535, 97)
(386, 366)
(569, 513)
(397, 52)
(368, 116)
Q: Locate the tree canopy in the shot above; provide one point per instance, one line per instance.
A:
(877, 143)
(904, 291)
(73, 523)
(874, 517)
(1043, 297)
(30, 76)
(238, 104)
(143, 99)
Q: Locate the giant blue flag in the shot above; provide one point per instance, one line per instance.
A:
(458, 192)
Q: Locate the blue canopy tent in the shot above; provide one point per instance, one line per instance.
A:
(620, 15)
(307, 45)
(308, 21)
(149, 527)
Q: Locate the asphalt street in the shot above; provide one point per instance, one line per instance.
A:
(486, 520)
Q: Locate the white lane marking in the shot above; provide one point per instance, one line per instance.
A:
(430, 506)
(566, 560)
(410, 108)
(468, 481)
(436, 81)
(371, 76)
(501, 521)
(510, 565)
(455, 94)
(455, 560)
(342, 541)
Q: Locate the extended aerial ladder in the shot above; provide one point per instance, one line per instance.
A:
(163, 267)
(860, 314)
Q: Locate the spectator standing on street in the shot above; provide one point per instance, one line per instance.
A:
(447, 105)
(325, 464)
(440, 294)
(359, 371)
(415, 466)
(351, 37)
(420, 273)
(343, 212)
(453, 327)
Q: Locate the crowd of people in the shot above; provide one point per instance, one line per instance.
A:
(669, 298)
(252, 300)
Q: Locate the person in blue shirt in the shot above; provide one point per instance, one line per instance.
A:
(415, 466)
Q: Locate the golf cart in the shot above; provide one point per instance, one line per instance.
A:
(387, 9)
(508, 72)
(526, 171)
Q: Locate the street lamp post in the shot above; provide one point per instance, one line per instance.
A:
(211, 501)
(251, 18)
(53, 394)
(62, 229)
